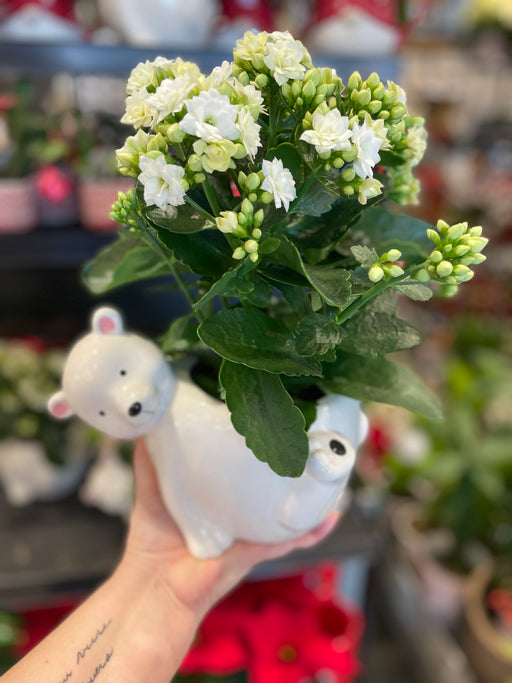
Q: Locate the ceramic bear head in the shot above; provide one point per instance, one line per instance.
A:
(118, 382)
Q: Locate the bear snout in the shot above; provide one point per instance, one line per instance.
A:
(135, 409)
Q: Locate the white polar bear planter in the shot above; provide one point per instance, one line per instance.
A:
(213, 485)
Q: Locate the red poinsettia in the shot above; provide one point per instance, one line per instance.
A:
(282, 630)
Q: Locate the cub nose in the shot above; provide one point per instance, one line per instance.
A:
(134, 409)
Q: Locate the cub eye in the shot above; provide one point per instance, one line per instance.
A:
(102, 413)
(337, 447)
(122, 372)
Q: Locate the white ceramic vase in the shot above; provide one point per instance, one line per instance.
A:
(213, 485)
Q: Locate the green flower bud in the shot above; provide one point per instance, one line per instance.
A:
(348, 190)
(253, 257)
(442, 227)
(444, 269)
(433, 236)
(393, 270)
(364, 97)
(247, 208)
(348, 174)
(261, 81)
(376, 273)
(456, 231)
(251, 247)
(338, 163)
(308, 91)
(461, 250)
(392, 255)
(478, 258)
(253, 182)
(349, 155)
(244, 78)
(475, 231)
(449, 290)
(462, 273)
(379, 92)
(373, 81)
(252, 197)
(258, 218)
(194, 163)
(239, 253)
(259, 64)
(314, 76)
(476, 244)
(436, 256)
(355, 81)
(374, 107)
(266, 197)
(422, 275)
(296, 89)
(256, 233)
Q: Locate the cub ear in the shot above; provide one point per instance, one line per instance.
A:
(59, 406)
(107, 320)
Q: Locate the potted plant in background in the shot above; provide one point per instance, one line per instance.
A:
(17, 129)
(487, 635)
(451, 479)
(39, 458)
(98, 181)
(257, 188)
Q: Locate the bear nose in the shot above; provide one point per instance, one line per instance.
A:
(134, 409)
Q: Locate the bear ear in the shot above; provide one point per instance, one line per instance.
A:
(107, 320)
(59, 406)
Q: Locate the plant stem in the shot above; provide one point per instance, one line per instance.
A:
(170, 264)
(370, 294)
(210, 196)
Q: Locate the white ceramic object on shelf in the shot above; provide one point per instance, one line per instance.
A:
(214, 487)
(162, 23)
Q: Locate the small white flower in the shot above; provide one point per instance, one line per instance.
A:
(139, 112)
(369, 188)
(279, 182)
(162, 182)
(283, 58)
(330, 132)
(250, 45)
(170, 96)
(144, 75)
(247, 94)
(368, 145)
(249, 132)
(400, 94)
(417, 144)
(211, 117)
(219, 75)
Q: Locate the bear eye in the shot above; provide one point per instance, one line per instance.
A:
(122, 372)
(337, 447)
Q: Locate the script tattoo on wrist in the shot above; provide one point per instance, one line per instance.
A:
(82, 653)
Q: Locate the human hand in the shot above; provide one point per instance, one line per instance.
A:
(157, 546)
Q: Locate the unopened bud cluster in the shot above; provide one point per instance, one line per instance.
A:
(386, 266)
(245, 225)
(125, 209)
(457, 248)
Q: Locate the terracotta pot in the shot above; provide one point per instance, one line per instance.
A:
(95, 199)
(17, 205)
(442, 590)
(488, 649)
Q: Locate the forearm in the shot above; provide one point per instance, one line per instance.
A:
(131, 629)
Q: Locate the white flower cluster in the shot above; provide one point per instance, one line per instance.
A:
(235, 120)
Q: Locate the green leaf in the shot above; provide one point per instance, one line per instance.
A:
(206, 252)
(184, 219)
(124, 261)
(387, 230)
(220, 288)
(380, 380)
(181, 336)
(364, 255)
(264, 413)
(251, 337)
(316, 334)
(414, 290)
(332, 284)
(376, 333)
(315, 200)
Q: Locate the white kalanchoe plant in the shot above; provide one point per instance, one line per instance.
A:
(257, 188)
